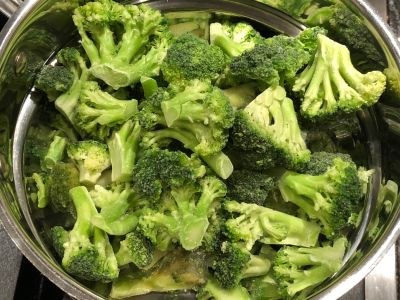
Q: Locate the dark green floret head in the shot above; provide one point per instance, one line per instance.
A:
(54, 80)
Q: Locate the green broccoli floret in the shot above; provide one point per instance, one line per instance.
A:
(120, 209)
(249, 186)
(54, 80)
(330, 197)
(151, 115)
(250, 160)
(191, 57)
(271, 62)
(62, 178)
(97, 111)
(257, 223)
(88, 253)
(262, 288)
(234, 38)
(160, 169)
(55, 153)
(299, 268)
(59, 236)
(123, 146)
(187, 218)
(212, 290)
(41, 195)
(136, 249)
(235, 263)
(67, 101)
(320, 162)
(116, 39)
(295, 8)
(91, 157)
(331, 83)
(269, 125)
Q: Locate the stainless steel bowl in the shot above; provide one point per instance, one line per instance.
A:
(52, 16)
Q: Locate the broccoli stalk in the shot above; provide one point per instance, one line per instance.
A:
(330, 197)
(212, 290)
(188, 221)
(98, 111)
(123, 147)
(258, 223)
(88, 253)
(41, 196)
(55, 152)
(331, 83)
(119, 57)
(269, 125)
(297, 269)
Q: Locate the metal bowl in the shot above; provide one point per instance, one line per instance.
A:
(18, 105)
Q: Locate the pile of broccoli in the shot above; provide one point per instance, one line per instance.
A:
(171, 154)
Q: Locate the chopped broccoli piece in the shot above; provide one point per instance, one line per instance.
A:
(41, 196)
(136, 249)
(88, 253)
(262, 288)
(330, 197)
(248, 186)
(123, 146)
(191, 57)
(91, 157)
(257, 223)
(250, 160)
(269, 125)
(320, 162)
(297, 269)
(97, 111)
(212, 290)
(59, 236)
(331, 83)
(149, 86)
(54, 80)
(55, 153)
(116, 37)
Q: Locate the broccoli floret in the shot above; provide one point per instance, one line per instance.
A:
(88, 253)
(262, 288)
(97, 111)
(187, 219)
(59, 236)
(214, 235)
(151, 115)
(55, 153)
(136, 249)
(62, 178)
(235, 263)
(331, 197)
(123, 146)
(191, 57)
(67, 101)
(160, 169)
(41, 194)
(250, 160)
(91, 157)
(116, 38)
(297, 269)
(331, 83)
(212, 290)
(320, 162)
(257, 223)
(54, 80)
(269, 125)
(295, 8)
(271, 62)
(120, 209)
(234, 38)
(249, 186)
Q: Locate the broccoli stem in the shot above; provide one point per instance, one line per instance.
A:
(149, 86)
(42, 199)
(122, 226)
(227, 45)
(55, 152)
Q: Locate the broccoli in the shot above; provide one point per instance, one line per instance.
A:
(250, 160)
(61, 125)
(269, 125)
(240, 96)
(297, 269)
(193, 22)
(67, 101)
(235, 263)
(54, 80)
(62, 178)
(97, 111)
(160, 169)
(136, 249)
(177, 271)
(257, 223)
(275, 60)
(91, 157)
(295, 8)
(87, 253)
(262, 288)
(116, 217)
(115, 38)
(331, 83)
(41, 195)
(330, 197)
(59, 236)
(234, 39)
(187, 219)
(248, 186)
(55, 152)
(149, 86)
(212, 290)
(150, 114)
(123, 146)
(191, 57)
